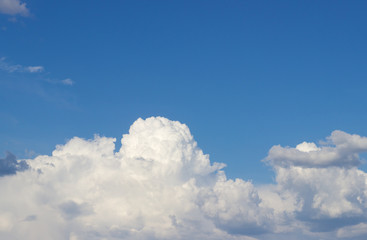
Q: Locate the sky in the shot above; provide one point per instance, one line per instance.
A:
(251, 113)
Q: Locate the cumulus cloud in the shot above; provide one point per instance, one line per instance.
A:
(330, 197)
(154, 187)
(13, 7)
(160, 185)
(353, 231)
(331, 191)
(340, 149)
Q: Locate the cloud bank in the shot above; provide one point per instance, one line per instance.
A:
(160, 185)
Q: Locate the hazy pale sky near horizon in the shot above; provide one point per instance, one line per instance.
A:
(248, 78)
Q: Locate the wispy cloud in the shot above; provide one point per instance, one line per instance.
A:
(14, 7)
(17, 68)
(4, 66)
(10, 68)
(35, 69)
(67, 81)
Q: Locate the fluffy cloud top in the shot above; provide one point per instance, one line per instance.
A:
(160, 185)
(13, 7)
(331, 191)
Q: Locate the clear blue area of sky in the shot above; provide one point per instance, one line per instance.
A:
(243, 75)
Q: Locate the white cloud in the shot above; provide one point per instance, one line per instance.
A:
(13, 7)
(67, 81)
(234, 206)
(160, 185)
(10, 68)
(326, 193)
(4, 66)
(307, 147)
(341, 149)
(17, 68)
(329, 191)
(35, 69)
(353, 231)
(155, 186)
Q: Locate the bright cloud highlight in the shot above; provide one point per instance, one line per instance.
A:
(160, 185)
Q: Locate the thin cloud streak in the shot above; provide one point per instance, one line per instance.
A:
(17, 68)
(35, 69)
(11, 68)
(67, 81)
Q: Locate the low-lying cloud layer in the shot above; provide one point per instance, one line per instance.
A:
(160, 185)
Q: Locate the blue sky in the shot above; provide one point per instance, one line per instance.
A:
(243, 75)
(276, 90)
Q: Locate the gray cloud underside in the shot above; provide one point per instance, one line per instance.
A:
(160, 185)
(10, 165)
